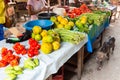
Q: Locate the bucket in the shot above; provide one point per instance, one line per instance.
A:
(60, 11)
(46, 15)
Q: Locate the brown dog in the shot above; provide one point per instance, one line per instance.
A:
(104, 53)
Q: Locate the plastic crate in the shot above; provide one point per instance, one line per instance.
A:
(59, 75)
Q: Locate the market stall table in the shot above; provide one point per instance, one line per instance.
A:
(49, 64)
(94, 33)
(113, 10)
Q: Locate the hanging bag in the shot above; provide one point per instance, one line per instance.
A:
(9, 12)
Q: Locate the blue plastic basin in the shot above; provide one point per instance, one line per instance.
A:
(44, 24)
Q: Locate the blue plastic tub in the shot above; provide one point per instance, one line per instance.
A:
(44, 24)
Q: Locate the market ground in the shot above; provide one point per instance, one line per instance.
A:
(110, 70)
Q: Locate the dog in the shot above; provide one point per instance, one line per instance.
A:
(105, 52)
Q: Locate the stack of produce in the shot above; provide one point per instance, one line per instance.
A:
(32, 51)
(70, 36)
(36, 33)
(8, 58)
(62, 22)
(19, 48)
(88, 20)
(31, 63)
(34, 47)
(78, 11)
(50, 42)
(97, 17)
(13, 72)
(83, 24)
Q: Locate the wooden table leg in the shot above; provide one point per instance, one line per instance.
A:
(80, 56)
(50, 77)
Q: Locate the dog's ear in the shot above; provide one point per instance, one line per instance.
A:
(109, 37)
(105, 55)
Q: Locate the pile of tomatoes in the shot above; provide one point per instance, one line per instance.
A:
(78, 11)
(19, 48)
(8, 58)
(34, 47)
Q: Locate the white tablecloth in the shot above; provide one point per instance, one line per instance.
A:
(111, 7)
(49, 64)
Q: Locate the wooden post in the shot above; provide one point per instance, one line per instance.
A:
(48, 6)
(80, 56)
(49, 78)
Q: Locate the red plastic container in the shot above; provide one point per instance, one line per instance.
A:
(59, 75)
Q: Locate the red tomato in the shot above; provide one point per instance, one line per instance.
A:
(37, 47)
(3, 63)
(17, 51)
(10, 58)
(14, 62)
(34, 44)
(30, 40)
(23, 52)
(4, 50)
(31, 48)
(20, 47)
(5, 58)
(9, 52)
(16, 44)
(31, 54)
(36, 52)
(17, 58)
(3, 54)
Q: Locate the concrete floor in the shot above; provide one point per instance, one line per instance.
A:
(110, 70)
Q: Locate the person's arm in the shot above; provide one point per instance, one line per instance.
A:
(59, 2)
(31, 11)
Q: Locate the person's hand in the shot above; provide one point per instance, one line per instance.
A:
(50, 8)
(45, 9)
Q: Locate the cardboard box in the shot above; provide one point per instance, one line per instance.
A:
(17, 31)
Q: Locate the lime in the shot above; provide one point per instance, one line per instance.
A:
(33, 35)
(38, 37)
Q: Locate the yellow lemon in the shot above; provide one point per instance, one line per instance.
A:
(48, 38)
(71, 23)
(36, 29)
(56, 45)
(57, 38)
(46, 48)
(33, 35)
(38, 37)
(59, 18)
(53, 18)
(44, 33)
(64, 21)
(68, 27)
(60, 26)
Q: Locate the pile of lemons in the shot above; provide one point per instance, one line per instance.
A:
(50, 39)
(36, 33)
(50, 42)
(61, 22)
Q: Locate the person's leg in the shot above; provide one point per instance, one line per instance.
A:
(118, 11)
